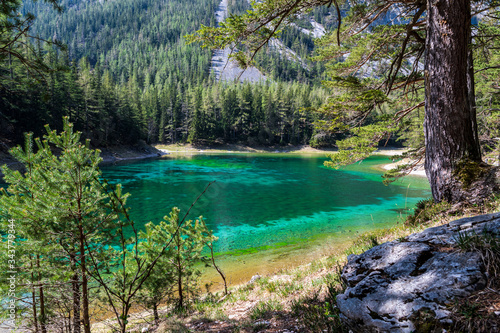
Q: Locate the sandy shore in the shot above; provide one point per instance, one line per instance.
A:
(301, 149)
(241, 149)
(417, 171)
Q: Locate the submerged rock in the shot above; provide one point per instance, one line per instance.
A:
(398, 286)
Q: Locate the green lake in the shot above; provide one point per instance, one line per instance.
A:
(278, 209)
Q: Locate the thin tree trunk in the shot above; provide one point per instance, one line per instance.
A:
(85, 295)
(223, 276)
(33, 294)
(75, 284)
(43, 316)
(179, 286)
(155, 314)
(179, 271)
(450, 129)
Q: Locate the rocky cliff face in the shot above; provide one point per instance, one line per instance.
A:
(400, 285)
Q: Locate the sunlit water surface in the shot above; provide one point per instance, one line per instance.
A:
(270, 211)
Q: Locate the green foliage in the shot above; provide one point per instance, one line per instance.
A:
(15, 24)
(71, 232)
(426, 210)
(175, 274)
(114, 98)
(64, 215)
(486, 58)
(365, 59)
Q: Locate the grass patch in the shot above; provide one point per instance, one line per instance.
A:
(320, 315)
(425, 211)
(487, 245)
(289, 288)
(476, 312)
(265, 310)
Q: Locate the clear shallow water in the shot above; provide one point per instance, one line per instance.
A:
(267, 201)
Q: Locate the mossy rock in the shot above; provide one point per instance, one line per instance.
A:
(425, 322)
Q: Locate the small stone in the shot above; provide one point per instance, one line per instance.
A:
(254, 278)
(262, 323)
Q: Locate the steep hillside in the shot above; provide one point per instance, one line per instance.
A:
(128, 37)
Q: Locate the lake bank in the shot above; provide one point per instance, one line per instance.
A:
(109, 155)
(230, 148)
(140, 151)
(299, 149)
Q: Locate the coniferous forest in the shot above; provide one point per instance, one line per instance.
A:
(125, 73)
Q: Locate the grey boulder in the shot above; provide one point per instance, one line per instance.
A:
(397, 286)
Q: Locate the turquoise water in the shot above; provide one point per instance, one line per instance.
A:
(262, 201)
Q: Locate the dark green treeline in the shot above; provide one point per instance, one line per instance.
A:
(169, 111)
(128, 75)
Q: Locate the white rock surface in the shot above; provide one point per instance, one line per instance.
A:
(390, 285)
(224, 69)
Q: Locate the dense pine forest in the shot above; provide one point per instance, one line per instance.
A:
(125, 73)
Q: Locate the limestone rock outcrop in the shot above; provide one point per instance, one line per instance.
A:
(394, 286)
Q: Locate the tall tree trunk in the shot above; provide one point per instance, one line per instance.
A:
(453, 157)
(471, 90)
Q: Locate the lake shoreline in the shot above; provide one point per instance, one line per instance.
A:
(242, 149)
(289, 149)
(109, 155)
(140, 151)
(230, 148)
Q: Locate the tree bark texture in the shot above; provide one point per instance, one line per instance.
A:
(75, 284)
(85, 294)
(43, 316)
(451, 138)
